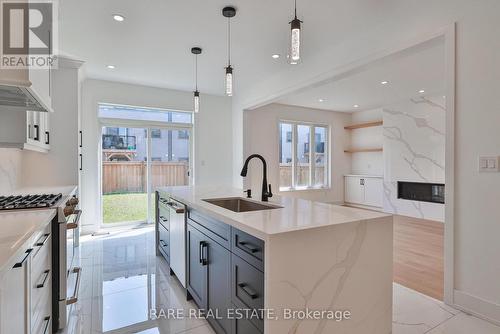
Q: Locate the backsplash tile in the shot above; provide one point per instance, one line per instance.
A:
(10, 169)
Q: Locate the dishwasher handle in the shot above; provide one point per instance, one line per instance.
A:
(177, 209)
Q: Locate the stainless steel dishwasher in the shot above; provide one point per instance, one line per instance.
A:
(178, 239)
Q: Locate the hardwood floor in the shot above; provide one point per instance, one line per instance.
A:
(418, 255)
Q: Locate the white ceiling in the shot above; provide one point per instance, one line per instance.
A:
(408, 72)
(152, 46)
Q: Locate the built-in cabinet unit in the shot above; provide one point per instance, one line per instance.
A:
(364, 190)
(26, 289)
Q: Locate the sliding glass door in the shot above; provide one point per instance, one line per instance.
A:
(135, 162)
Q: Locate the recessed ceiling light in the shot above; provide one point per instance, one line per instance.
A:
(275, 56)
(384, 82)
(111, 67)
(356, 106)
(118, 17)
(421, 91)
(321, 100)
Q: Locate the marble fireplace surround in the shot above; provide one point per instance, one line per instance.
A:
(414, 151)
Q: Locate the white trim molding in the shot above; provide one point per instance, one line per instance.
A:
(478, 307)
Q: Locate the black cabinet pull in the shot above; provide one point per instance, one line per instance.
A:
(27, 254)
(47, 322)
(81, 138)
(81, 161)
(249, 247)
(37, 132)
(45, 237)
(164, 244)
(201, 253)
(47, 134)
(249, 291)
(46, 275)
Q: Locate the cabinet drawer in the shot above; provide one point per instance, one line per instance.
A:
(164, 220)
(41, 268)
(213, 228)
(247, 287)
(41, 312)
(248, 248)
(243, 325)
(164, 241)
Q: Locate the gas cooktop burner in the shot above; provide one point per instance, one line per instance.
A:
(28, 201)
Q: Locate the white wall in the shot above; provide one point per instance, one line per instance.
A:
(10, 169)
(414, 151)
(213, 134)
(476, 267)
(367, 163)
(262, 137)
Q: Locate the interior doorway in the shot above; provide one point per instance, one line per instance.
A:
(138, 156)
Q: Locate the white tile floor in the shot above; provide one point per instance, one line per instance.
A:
(122, 280)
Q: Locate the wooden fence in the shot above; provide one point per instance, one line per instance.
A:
(131, 176)
(303, 174)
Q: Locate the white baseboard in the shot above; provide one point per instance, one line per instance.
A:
(478, 307)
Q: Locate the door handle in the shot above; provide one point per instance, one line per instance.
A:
(249, 291)
(37, 132)
(47, 134)
(73, 299)
(201, 250)
(248, 247)
(45, 276)
(46, 327)
(45, 238)
(74, 223)
(20, 264)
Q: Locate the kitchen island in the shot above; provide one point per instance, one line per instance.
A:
(313, 267)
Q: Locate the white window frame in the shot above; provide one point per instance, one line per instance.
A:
(312, 155)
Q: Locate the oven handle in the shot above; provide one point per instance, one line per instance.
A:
(74, 224)
(73, 299)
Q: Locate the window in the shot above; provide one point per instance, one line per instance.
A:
(155, 133)
(183, 135)
(300, 166)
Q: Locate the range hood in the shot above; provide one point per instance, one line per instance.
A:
(20, 97)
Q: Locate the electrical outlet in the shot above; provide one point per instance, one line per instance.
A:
(489, 164)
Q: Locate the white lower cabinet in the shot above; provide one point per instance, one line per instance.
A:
(364, 190)
(26, 290)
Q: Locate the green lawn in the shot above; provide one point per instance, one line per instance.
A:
(120, 208)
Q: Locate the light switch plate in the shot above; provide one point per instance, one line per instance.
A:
(489, 164)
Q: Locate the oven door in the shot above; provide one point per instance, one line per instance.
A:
(69, 276)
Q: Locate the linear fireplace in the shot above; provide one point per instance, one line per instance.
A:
(423, 192)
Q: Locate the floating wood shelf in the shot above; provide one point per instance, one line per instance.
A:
(354, 150)
(363, 125)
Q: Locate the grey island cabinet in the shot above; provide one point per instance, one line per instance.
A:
(261, 267)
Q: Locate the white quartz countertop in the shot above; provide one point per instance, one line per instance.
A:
(17, 229)
(296, 214)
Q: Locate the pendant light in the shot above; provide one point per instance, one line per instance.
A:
(196, 103)
(294, 56)
(229, 12)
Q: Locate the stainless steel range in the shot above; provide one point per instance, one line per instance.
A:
(65, 236)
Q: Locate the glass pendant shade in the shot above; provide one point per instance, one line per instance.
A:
(196, 101)
(294, 56)
(229, 81)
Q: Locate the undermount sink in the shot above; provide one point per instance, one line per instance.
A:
(238, 204)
